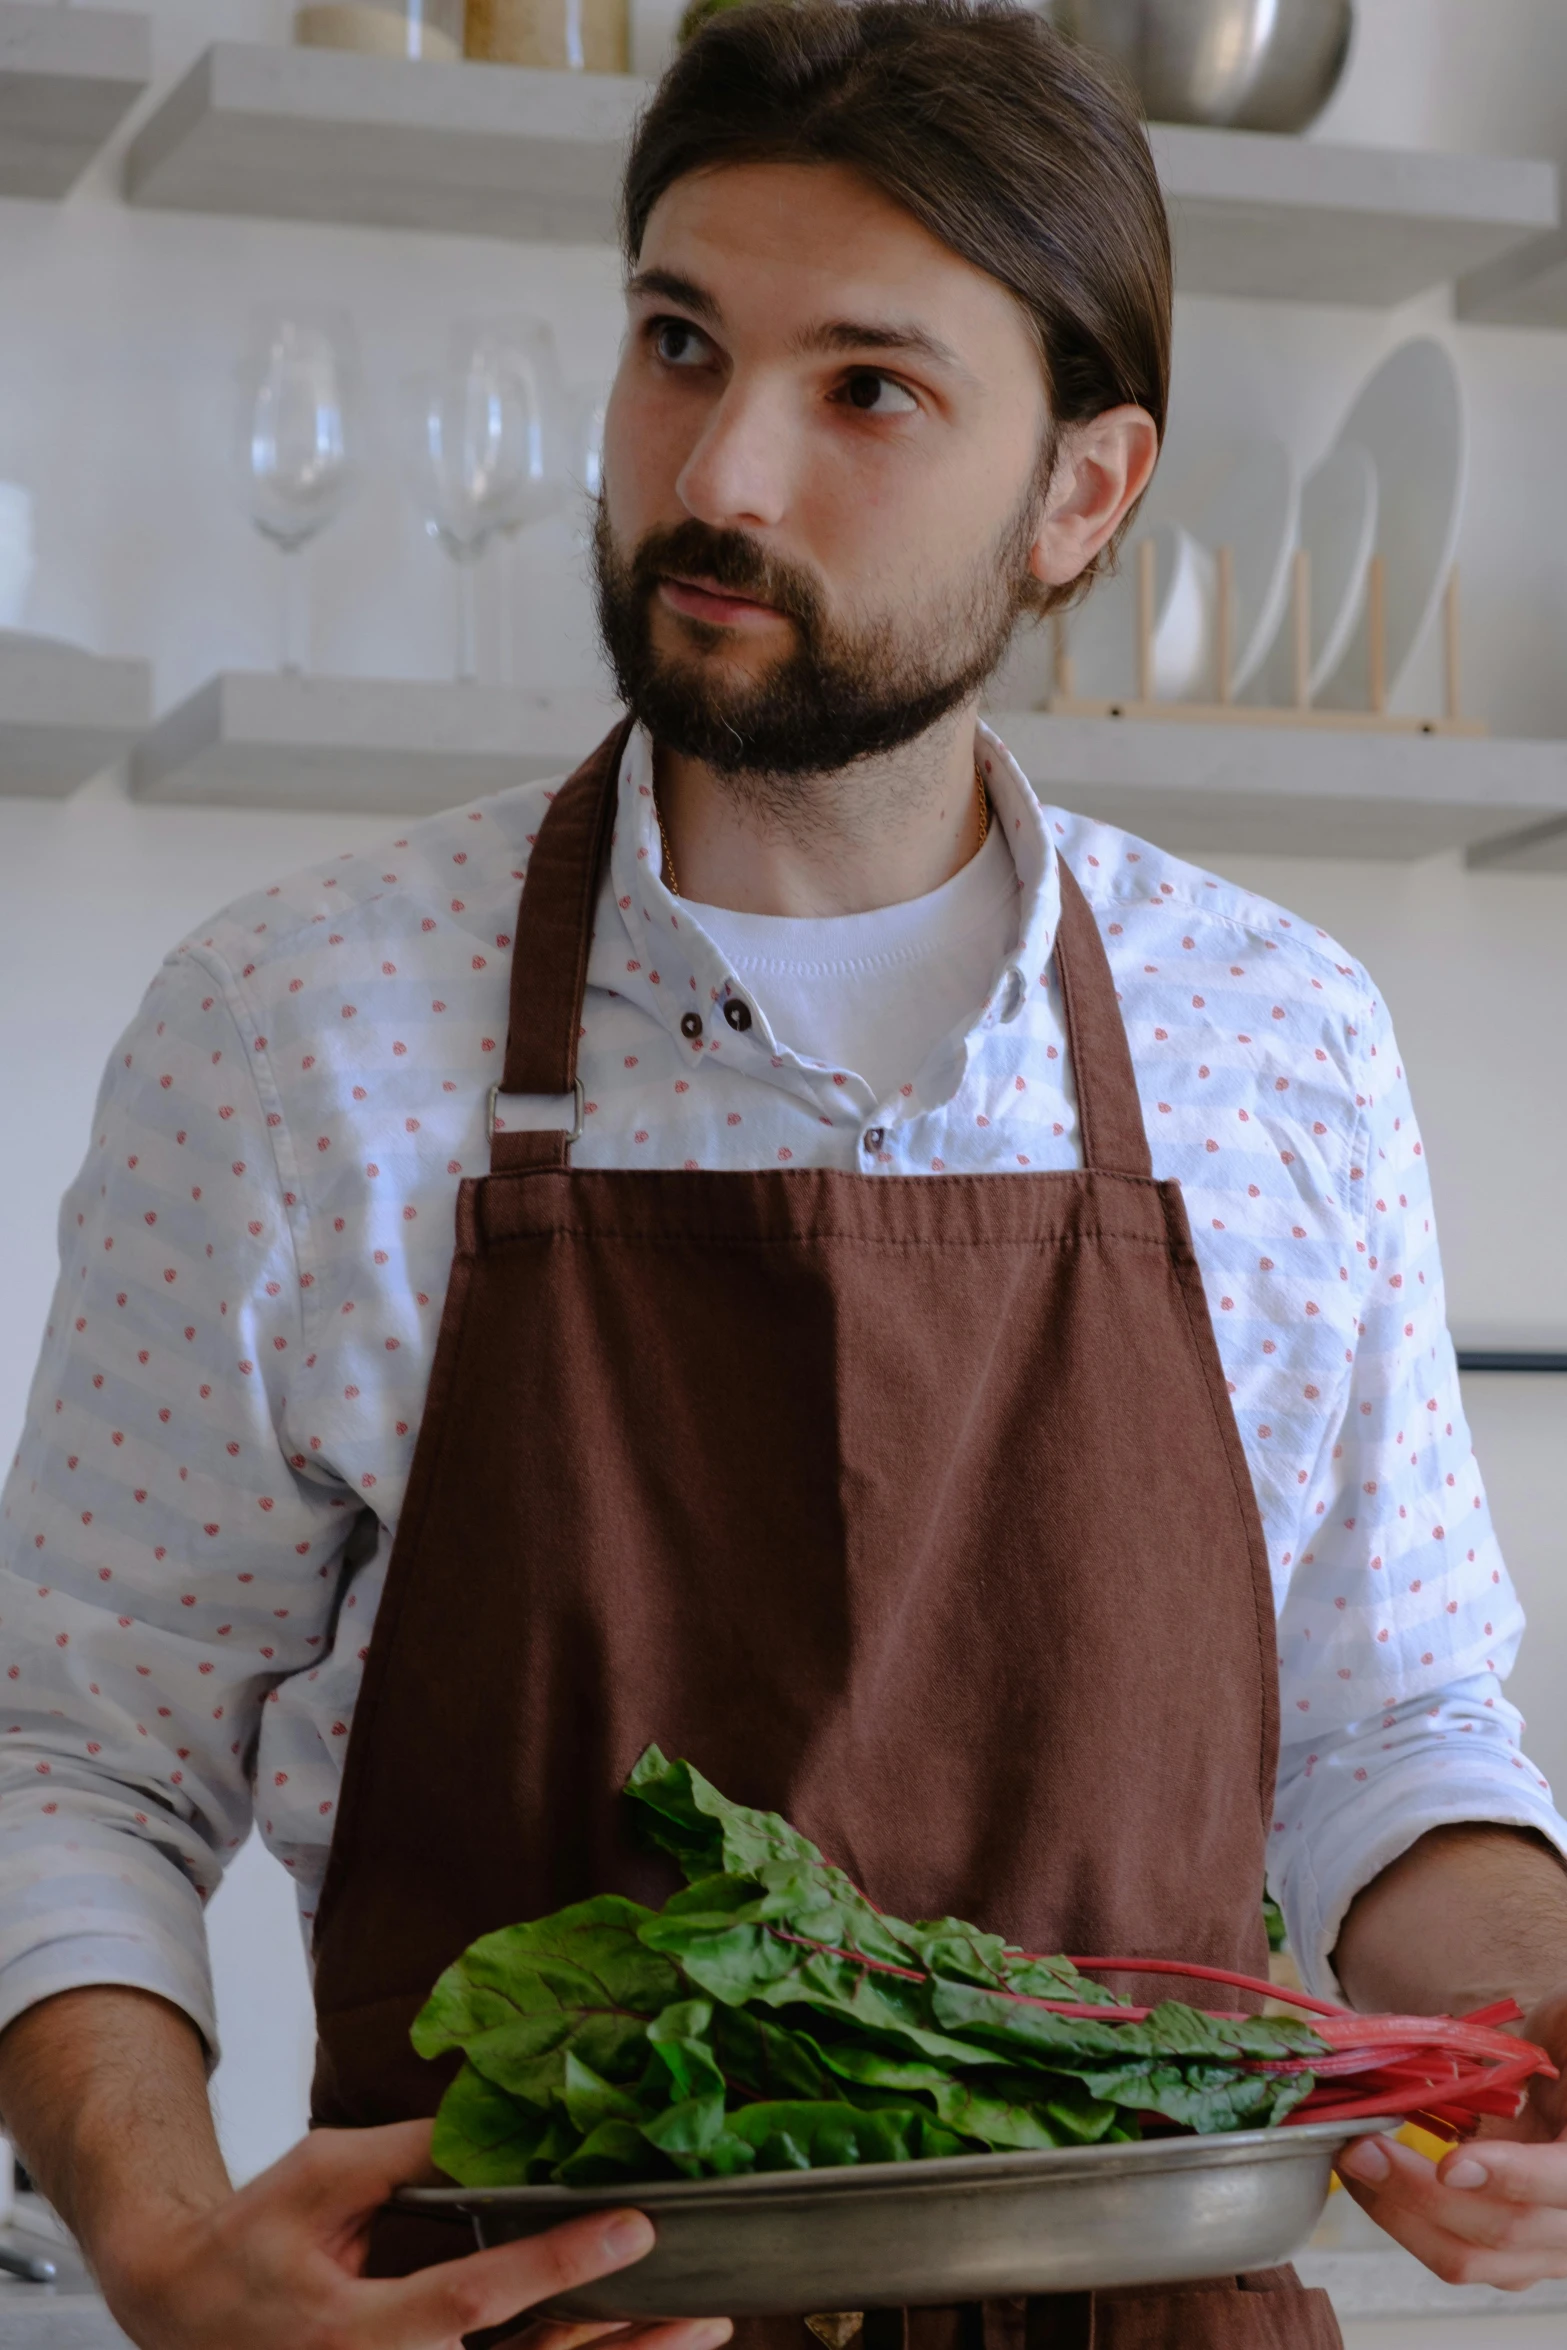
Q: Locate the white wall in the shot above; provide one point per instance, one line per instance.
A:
(117, 334)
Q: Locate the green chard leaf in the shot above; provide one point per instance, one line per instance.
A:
(580, 1983)
(768, 2017)
(693, 2117)
(1205, 2098)
(962, 1954)
(707, 1834)
(1171, 2030)
(688, 2132)
(483, 2138)
(589, 2099)
(745, 1939)
(677, 2038)
(799, 2135)
(1000, 2108)
(765, 2061)
(613, 2152)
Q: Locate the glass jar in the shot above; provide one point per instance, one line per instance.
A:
(572, 36)
(427, 30)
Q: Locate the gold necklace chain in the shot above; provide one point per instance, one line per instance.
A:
(981, 802)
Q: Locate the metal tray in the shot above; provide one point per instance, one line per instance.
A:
(967, 2227)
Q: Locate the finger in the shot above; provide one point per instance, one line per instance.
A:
(553, 2334)
(686, 2334)
(690, 2333)
(1455, 2196)
(1411, 2201)
(1455, 2260)
(336, 2175)
(1508, 2171)
(486, 2288)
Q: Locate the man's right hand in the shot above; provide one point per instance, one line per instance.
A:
(278, 2265)
(104, 2091)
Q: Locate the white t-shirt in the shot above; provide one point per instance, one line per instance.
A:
(874, 994)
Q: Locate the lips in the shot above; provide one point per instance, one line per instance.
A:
(706, 599)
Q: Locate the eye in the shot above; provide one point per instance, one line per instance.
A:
(679, 343)
(878, 395)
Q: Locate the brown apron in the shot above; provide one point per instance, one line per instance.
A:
(910, 1506)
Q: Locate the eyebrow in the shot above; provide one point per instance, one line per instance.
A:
(665, 285)
(879, 334)
(837, 334)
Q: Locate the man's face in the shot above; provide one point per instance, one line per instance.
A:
(822, 472)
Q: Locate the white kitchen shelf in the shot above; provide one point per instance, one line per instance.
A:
(317, 134)
(1296, 220)
(1208, 789)
(65, 714)
(1538, 848)
(264, 739)
(1526, 287)
(68, 76)
(409, 746)
(309, 134)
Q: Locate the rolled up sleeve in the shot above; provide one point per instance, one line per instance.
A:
(1358, 1799)
(167, 1556)
(1400, 1622)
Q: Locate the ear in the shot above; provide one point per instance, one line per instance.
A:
(1102, 468)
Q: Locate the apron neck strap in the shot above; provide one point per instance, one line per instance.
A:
(1108, 1110)
(549, 962)
(549, 973)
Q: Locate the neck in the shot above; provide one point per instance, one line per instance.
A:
(880, 832)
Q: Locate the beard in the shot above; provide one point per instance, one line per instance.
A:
(846, 690)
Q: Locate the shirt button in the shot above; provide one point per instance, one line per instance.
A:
(691, 1024)
(1013, 990)
(738, 1014)
(874, 1137)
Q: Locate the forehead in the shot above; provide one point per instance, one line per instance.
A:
(780, 246)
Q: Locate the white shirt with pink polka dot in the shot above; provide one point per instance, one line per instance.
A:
(254, 1256)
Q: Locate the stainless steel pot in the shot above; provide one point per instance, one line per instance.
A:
(1258, 65)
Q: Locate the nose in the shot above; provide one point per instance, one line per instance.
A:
(738, 472)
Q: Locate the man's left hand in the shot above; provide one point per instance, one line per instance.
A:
(1493, 2211)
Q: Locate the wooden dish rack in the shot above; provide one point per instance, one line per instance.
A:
(1300, 711)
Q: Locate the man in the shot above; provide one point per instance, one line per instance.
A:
(821, 1381)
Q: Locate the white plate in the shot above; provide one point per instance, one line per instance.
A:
(1409, 418)
(1102, 636)
(1338, 529)
(1255, 512)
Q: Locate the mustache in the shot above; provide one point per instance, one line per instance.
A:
(730, 560)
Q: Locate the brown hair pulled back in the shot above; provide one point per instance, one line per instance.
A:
(1006, 143)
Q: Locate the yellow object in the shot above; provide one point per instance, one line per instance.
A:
(377, 30)
(1424, 2142)
(570, 36)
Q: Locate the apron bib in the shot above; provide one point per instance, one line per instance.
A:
(910, 1506)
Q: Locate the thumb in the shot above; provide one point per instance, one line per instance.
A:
(338, 2176)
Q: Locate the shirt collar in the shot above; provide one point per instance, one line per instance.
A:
(668, 961)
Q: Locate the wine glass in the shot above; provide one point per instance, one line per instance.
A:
(298, 428)
(515, 359)
(586, 445)
(482, 442)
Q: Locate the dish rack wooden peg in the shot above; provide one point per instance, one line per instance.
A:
(1300, 626)
(1300, 710)
(1224, 626)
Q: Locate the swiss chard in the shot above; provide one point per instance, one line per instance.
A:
(770, 2017)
